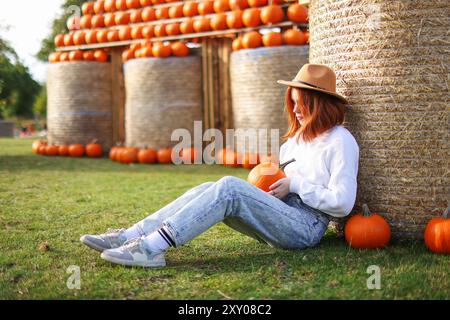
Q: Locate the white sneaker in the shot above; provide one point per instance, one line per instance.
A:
(113, 238)
(135, 253)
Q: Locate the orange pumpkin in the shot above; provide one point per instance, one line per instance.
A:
(234, 19)
(157, 1)
(133, 4)
(367, 231)
(127, 55)
(136, 33)
(129, 155)
(102, 36)
(189, 156)
(162, 13)
(148, 32)
(173, 29)
(68, 39)
(85, 21)
(51, 150)
(136, 16)
(145, 3)
(59, 40)
(294, 37)
(113, 153)
(165, 155)
(99, 7)
(251, 17)
(88, 55)
(187, 26)
(238, 4)
(219, 21)
(110, 19)
(63, 151)
(148, 14)
(221, 6)
(237, 44)
(146, 52)
(76, 55)
(160, 30)
(121, 5)
(125, 33)
(54, 57)
(122, 18)
(206, 7)
(272, 14)
(190, 9)
(147, 155)
(41, 150)
(110, 5)
(113, 35)
(64, 57)
(297, 13)
(250, 160)
(176, 11)
(94, 150)
(76, 150)
(257, 3)
(201, 25)
(251, 40)
(437, 234)
(91, 37)
(100, 56)
(272, 39)
(179, 49)
(161, 50)
(79, 38)
(98, 21)
(227, 157)
(264, 175)
(36, 144)
(87, 8)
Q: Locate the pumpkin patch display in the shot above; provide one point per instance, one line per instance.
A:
(367, 231)
(51, 150)
(147, 156)
(94, 150)
(63, 150)
(264, 175)
(164, 155)
(76, 150)
(251, 40)
(189, 155)
(179, 49)
(294, 37)
(272, 14)
(297, 13)
(250, 160)
(437, 233)
(36, 144)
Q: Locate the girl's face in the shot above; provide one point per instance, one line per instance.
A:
(295, 99)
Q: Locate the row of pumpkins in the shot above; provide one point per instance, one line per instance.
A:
(147, 49)
(236, 19)
(363, 231)
(78, 55)
(253, 39)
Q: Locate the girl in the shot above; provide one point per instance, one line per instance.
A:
(294, 214)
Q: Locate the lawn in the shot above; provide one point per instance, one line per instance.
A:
(55, 200)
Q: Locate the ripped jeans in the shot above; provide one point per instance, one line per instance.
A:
(287, 223)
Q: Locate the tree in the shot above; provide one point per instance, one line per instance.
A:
(18, 89)
(59, 26)
(40, 104)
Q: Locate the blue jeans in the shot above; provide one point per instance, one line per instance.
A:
(285, 223)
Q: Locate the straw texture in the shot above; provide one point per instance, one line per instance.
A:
(257, 99)
(392, 60)
(161, 95)
(79, 103)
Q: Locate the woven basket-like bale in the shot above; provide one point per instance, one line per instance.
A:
(392, 60)
(258, 101)
(6, 129)
(79, 103)
(162, 95)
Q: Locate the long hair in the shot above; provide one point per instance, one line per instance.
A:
(320, 112)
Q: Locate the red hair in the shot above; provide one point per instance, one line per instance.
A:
(320, 112)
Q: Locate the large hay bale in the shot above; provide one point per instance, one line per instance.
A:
(79, 103)
(161, 95)
(392, 62)
(257, 99)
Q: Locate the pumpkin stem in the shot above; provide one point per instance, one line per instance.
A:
(283, 165)
(365, 210)
(446, 212)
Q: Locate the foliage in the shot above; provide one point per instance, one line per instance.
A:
(40, 104)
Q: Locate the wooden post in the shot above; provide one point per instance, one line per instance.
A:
(117, 97)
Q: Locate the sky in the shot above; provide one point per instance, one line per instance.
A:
(29, 22)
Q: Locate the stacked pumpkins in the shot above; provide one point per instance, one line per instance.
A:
(91, 150)
(106, 21)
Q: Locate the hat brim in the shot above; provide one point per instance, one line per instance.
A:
(305, 86)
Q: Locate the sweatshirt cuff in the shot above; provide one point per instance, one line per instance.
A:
(294, 185)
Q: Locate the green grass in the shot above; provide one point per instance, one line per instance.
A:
(58, 199)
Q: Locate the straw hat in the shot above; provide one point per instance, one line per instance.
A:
(317, 77)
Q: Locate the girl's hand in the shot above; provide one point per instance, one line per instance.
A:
(280, 189)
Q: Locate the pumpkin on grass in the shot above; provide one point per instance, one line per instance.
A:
(264, 175)
(437, 233)
(129, 155)
(51, 150)
(189, 155)
(76, 150)
(94, 149)
(147, 155)
(367, 231)
(164, 155)
(63, 150)
(36, 144)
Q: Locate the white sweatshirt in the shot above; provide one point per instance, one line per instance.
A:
(325, 171)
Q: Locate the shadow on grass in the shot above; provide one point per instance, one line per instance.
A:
(18, 163)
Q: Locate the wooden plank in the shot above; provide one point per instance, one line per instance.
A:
(179, 37)
(205, 86)
(117, 97)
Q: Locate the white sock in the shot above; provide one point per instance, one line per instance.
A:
(132, 233)
(158, 241)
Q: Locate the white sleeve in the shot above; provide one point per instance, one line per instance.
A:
(339, 197)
